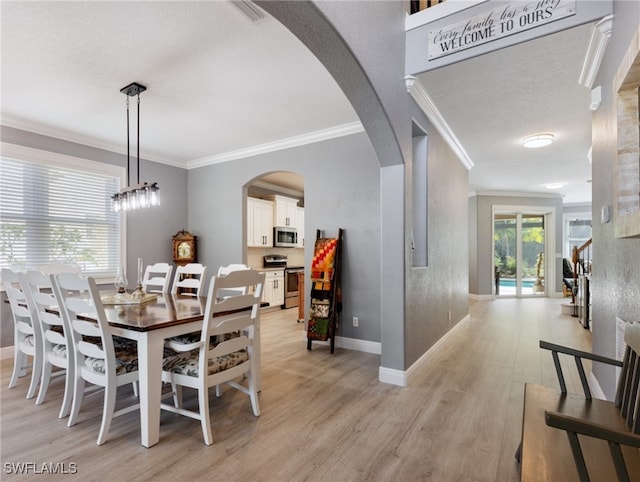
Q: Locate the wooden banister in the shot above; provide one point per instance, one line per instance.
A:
(418, 5)
(577, 259)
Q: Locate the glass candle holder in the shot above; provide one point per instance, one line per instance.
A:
(139, 292)
(120, 282)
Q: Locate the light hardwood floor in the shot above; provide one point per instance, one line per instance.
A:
(324, 417)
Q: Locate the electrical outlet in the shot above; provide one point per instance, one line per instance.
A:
(449, 315)
(355, 321)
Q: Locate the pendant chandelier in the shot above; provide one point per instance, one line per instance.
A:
(142, 195)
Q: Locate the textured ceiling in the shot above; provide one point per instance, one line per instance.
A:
(218, 83)
(493, 101)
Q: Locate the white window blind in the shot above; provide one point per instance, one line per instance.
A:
(58, 214)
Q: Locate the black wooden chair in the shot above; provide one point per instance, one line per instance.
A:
(626, 404)
(593, 426)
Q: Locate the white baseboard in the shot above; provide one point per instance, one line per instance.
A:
(359, 345)
(352, 344)
(392, 376)
(402, 378)
(595, 388)
(420, 361)
(480, 297)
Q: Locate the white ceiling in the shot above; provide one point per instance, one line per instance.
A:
(219, 83)
(493, 101)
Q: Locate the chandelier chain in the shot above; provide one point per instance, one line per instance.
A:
(142, 195)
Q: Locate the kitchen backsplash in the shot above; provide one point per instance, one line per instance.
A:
(295, 256)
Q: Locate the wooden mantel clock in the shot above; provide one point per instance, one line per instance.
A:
(184, 248)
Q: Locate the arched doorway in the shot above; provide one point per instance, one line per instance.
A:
(367, 69)
(276, 208)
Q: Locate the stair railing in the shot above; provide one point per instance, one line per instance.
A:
(418, 5)
(581, 260)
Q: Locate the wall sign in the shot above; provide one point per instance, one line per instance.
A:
(502, 21)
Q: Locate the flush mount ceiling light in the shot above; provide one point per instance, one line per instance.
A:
(538, 140)
(554, 185)
(142, 195)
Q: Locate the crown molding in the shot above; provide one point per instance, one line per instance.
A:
(277, 188)
(595, 52)
(419, 94)
(308, 138)
(39, 156)
(67, 136)
(550, 195)
(287, 143)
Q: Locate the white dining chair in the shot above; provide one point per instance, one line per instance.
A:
(56, 350)
(189, 279)
(27, 339)
(96, 359)
(233, 323)
(225, 270)
(157, 278)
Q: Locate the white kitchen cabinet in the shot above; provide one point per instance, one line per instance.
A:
(273, 291)
(300, 226)
(285, 211)
(259, 223)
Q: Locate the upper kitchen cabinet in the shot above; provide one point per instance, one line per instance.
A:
(286, 211)
(259, 223)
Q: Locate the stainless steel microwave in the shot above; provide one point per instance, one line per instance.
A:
(285, 237)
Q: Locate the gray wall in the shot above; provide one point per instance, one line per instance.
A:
(473, 245)
(576, 208)
(483, 269)
(442, 287)
(149, 231)
(362, 45)
(616, 267)
(341, 178)
(372, 34)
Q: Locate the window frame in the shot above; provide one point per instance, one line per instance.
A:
(567, 247)
(53, 159)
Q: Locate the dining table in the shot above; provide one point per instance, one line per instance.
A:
(149, 324)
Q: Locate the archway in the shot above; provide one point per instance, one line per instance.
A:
(365, 55)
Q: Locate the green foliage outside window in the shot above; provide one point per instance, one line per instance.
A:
(11, 235)
(66, 245)
(505, 247)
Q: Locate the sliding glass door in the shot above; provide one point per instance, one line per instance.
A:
(519, 252)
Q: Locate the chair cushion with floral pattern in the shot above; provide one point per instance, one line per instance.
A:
(126, 361)
(187, 363)
(59, 350)
(186, 339)
(191, 338)
(120, 343)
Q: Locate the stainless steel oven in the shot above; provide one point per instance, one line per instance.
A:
(291, 289)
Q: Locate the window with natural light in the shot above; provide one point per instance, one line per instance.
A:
(577, 230)
(58, 210)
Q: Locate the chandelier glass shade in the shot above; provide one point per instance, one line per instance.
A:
(142, 195)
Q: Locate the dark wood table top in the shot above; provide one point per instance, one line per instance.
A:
(166, 310)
